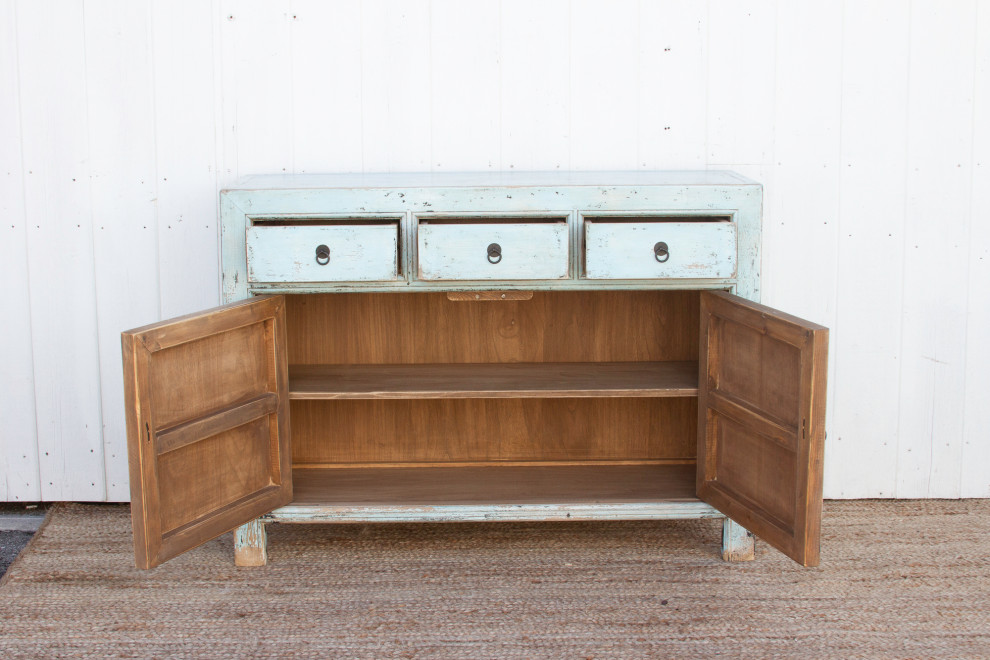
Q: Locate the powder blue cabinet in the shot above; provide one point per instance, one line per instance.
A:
(527, 346)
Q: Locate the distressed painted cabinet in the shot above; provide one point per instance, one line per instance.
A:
(465, 347)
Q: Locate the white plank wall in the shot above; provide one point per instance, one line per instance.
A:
(976, 419)
(933, 345)
(120, 95)
(187, 111)
(868, 122)
(870, 231)
(19, 473)
(57, 169)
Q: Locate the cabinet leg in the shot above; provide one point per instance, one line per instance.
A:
(251, 544)
(737, 542)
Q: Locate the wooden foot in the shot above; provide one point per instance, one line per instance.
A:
(737, 542)
(251, 544)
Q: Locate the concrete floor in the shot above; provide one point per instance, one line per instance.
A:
(18, 523)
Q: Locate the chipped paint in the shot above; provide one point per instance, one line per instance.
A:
(624, 250)
(311, 513)
(528, 251)
(737, 543)
(727, 257)
(573, 194)
(287, 253)
(251, 544)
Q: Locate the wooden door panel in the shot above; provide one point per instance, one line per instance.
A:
(207, 424)
(218, 470)
(755, 469)
(765, 381)
(761, 421)
(208, 374)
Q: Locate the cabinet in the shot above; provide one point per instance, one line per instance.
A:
(443, 348)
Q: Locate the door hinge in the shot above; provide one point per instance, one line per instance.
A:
(804, 429)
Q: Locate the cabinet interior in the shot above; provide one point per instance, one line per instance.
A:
(569, 394)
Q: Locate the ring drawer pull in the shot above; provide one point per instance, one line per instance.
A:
(661, 252)
(322, 255)
(494, 253)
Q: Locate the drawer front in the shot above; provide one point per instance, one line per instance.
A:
(630, 250)
(291, 253)
(493, 251)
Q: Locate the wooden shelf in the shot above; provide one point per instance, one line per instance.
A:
(506, 485)
(485, 381)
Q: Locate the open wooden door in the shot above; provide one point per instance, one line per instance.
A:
(207, 424)
(761, 427)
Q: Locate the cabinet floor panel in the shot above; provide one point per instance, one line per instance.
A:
(466, 381)
(434, 486)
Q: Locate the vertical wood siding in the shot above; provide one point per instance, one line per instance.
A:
(868, 123)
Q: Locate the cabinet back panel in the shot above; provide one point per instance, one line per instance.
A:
(553, 326)
(493, 430)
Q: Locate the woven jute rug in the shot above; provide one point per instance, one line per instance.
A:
(907, 579)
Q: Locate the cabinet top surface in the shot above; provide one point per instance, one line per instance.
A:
(491, 179)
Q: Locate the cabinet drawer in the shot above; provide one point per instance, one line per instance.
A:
(659, 249)
(452, 250)
(334, 253)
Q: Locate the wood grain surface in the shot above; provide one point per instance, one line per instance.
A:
(207, 424)
(464, 381)
(425, 328)
(455, 430)
(465, 296)
(761, 410)
(495, 484)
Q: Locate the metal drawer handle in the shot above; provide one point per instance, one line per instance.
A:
(494, 253)
(322, 255)
(661, 252)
